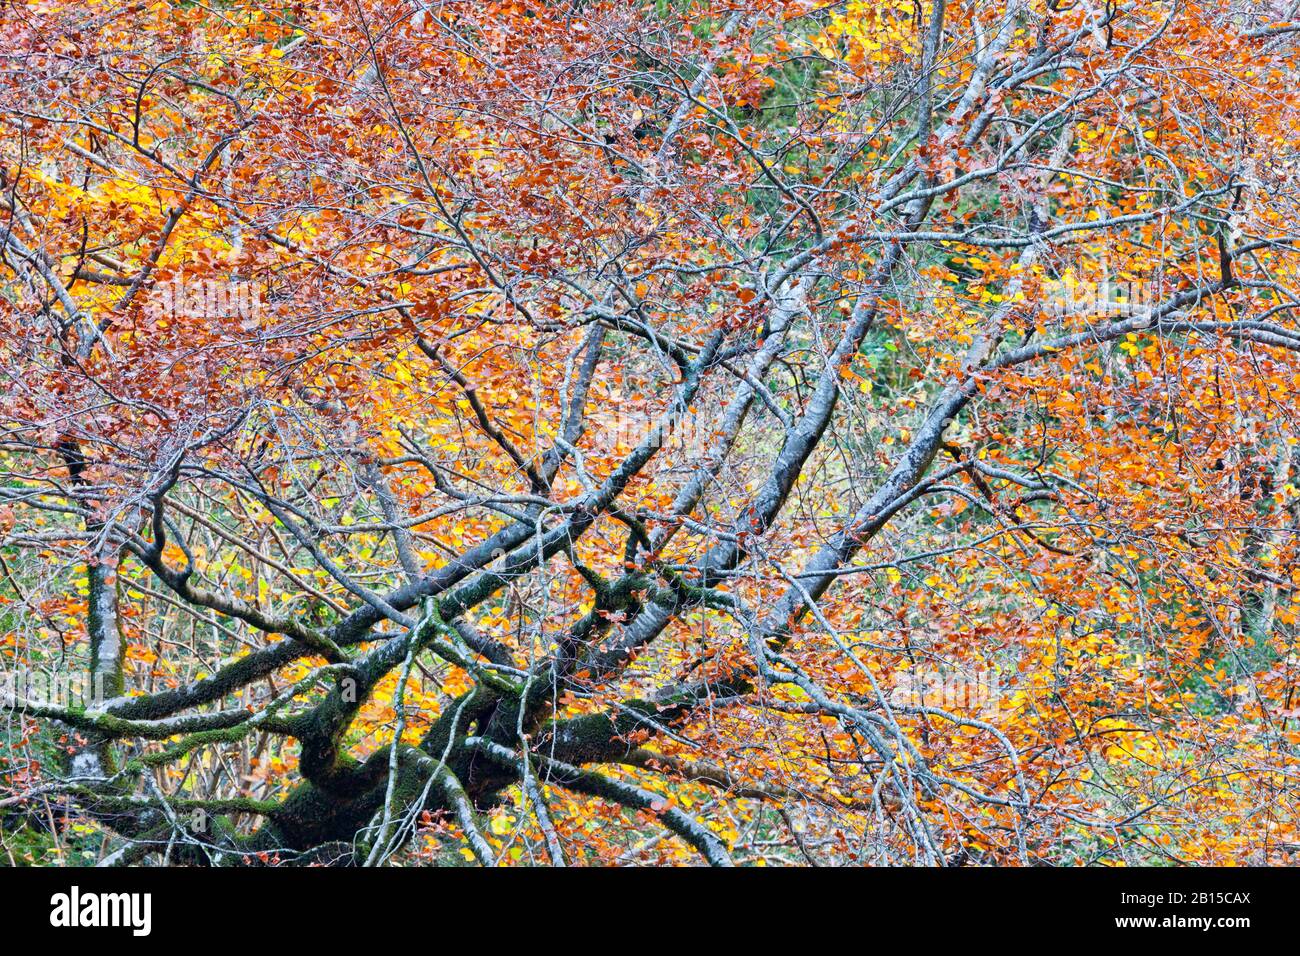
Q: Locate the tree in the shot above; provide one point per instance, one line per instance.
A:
(594, 432)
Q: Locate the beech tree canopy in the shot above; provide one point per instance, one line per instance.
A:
(649, 432)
